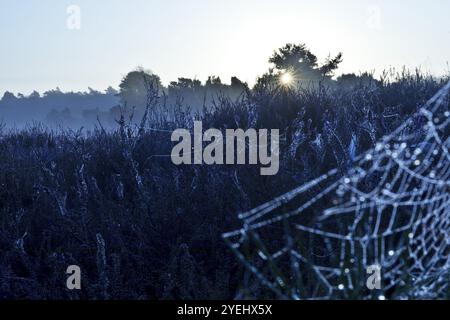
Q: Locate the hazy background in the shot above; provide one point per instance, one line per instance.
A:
(198, 38)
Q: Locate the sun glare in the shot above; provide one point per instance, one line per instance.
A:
(286, 79)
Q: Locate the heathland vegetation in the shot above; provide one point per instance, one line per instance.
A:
(110, 200)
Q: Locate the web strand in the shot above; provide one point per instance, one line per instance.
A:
(391, 210)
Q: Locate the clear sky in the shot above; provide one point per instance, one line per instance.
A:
(197, 38)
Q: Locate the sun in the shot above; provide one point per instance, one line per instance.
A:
(286, 79)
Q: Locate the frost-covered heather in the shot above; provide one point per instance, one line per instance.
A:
(139, 227)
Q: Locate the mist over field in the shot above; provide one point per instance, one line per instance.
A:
(57, 109)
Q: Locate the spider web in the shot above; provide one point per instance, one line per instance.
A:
(390, 212)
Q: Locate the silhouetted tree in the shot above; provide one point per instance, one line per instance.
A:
(111, 91)
(185, 83)
(331, 65)
(8, 96)
(134, 87)
(34, 95)
(53, 92)
(237, 84)
(213, 81)
(300, 60)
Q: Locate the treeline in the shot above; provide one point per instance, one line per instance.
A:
(73, 110)
(55, 108)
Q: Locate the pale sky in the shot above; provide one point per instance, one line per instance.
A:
(197, 38)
